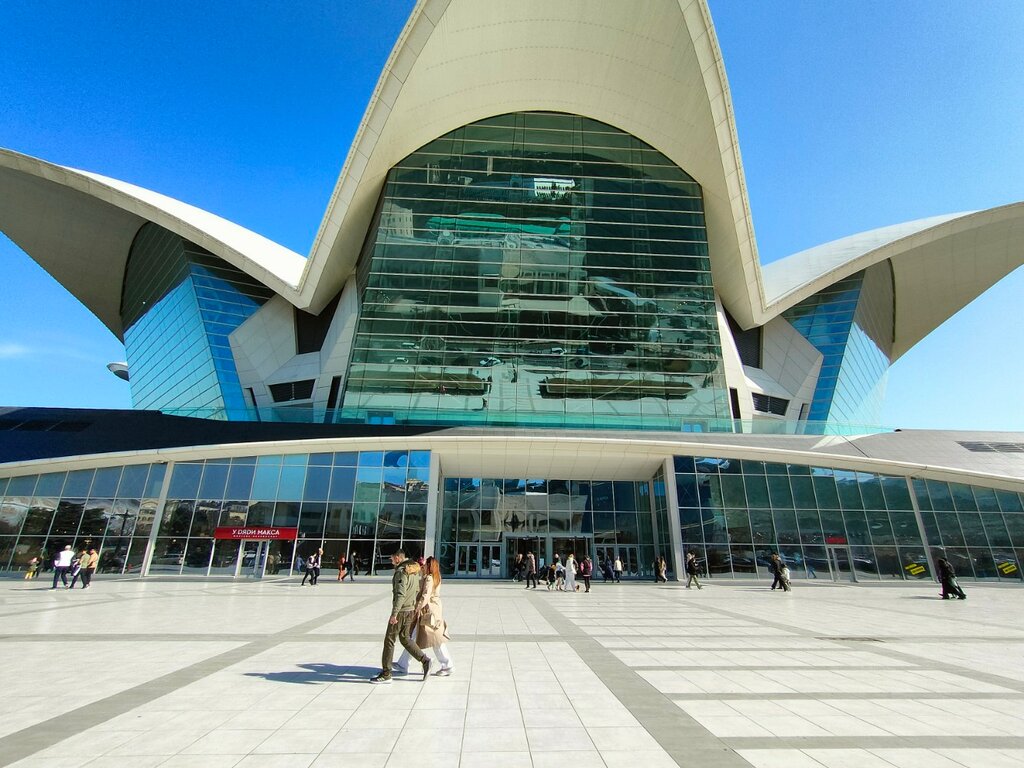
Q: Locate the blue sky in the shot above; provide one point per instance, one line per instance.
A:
(851, 116)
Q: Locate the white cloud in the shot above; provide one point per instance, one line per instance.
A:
(9, 350)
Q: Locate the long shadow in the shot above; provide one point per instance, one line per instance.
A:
(318, 674)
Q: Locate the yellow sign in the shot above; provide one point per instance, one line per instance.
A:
(1007, 568)
(916, 569)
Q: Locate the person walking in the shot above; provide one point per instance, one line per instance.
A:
(660, 570)
(692, 571)
(606, 570)
(312, 565)
(947, 578)
(405, 586)
(517, 567)
(353, 566)
(586, 571)
(76, 567)
(559, 574)
(61, 565)
(552, 573)
(33, 569)
(775, 566)
(89, 568)
(531, 570)
(431, 628)
(342, 563)
(570, 573)
(617, 569)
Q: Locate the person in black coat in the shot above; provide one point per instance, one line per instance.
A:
(947, 577)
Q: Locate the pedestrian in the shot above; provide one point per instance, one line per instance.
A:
(76, 567)
(431, 628)
(312, 566)
(517, 568)
(353, 566)
(531, 570)
(606, 570)
(586, 571)
(33, 569)
(552, 573)
(61, 566)
(559, 574)
(570, 573)
(947, 578)
(660, 570)
(775, 566)
(90, 567)
(405, 584)
(617, 570)
(341, 567)
(692, 571)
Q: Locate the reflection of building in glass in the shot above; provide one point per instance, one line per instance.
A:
(533, 320)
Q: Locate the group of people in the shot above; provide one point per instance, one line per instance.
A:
(416, 620)
(81, 566)
(312, 564)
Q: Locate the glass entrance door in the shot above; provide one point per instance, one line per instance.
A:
(475, 559)
(841, 564)
(252, 559)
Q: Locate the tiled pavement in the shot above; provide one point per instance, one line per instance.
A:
(172, 673)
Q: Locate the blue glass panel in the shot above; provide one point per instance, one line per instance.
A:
(264, 487)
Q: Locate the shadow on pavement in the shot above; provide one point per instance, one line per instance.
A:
(318, 674)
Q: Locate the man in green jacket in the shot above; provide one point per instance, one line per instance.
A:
(405, 588)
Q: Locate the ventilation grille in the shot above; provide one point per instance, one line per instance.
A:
(292, 390)
(985, 447)
(767, 404)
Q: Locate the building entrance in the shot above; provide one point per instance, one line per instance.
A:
(840, 562)
(252, 559)
(629, 554)
(478, 559)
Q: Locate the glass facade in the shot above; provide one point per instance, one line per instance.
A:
(179, 304)
(537, 269)
(370, 503)
(824, 521)
(851, 324)
(481, 518)
(111, 509)
(979, 530)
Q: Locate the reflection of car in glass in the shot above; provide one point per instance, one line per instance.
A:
(169, 559)
(556, 351)
(489, 361)
(400, 360)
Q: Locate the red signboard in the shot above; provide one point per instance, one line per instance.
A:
(835, 540)
(257, 532)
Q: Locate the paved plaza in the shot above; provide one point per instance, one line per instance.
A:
(182, 673)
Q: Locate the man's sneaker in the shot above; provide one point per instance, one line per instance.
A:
(443, 672)
(426, 668)
(381, 679)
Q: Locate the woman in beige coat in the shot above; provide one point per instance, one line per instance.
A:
(431, 628)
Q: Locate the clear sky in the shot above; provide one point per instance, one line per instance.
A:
(851, 116)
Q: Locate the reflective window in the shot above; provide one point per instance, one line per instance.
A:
(537, 269)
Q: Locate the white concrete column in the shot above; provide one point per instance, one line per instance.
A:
(158, 516)
(672, 498)
(433, 506)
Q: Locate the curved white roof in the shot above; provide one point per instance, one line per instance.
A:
(652, 69)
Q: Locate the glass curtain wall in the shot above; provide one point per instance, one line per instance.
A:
(613, 518)
(661, 512)
(111, 509)
(179, 305)
(369, 503)
(537, 269)
(851, 324)
(735, 513)
(979, 530)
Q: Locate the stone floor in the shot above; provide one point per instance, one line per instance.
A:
(210, 674)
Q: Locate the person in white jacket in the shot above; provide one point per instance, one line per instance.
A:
(431, 628)
(570, 573)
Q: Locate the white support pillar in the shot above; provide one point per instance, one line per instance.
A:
(672, 499)
(433, 507)
(158, 516)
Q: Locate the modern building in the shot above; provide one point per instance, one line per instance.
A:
(533, 319)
